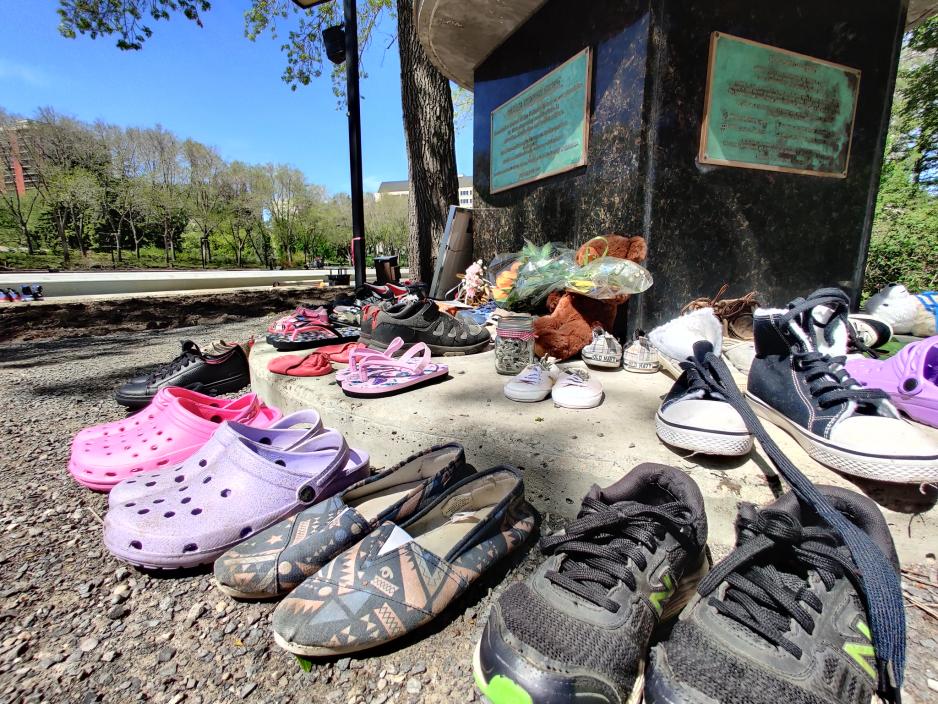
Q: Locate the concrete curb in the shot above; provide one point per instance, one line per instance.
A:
(564, 452)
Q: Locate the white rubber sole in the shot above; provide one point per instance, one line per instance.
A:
(580, 405)
(703, 441)
(528, 398)
(881, 468)
(313, 651)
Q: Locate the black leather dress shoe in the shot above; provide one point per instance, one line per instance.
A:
(220, 373)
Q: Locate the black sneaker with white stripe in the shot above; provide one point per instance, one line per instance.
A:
(423, 321)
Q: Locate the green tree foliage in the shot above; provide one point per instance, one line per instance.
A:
(919, 111)
(102, 190)
(904, 242)
(125, 18)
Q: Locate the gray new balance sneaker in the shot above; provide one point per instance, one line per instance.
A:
(781, 619)
(578, 629)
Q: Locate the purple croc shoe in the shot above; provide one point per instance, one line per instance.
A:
(217, 499)
(910, 378)
(292, 432)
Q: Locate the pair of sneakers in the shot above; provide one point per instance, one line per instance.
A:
(806, 609)
(568, 387)
(798, 381)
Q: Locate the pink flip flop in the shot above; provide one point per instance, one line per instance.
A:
(157, 439)
(910, 378)
(361, 354)
(382, 375)
(161, 400)
(300, 316)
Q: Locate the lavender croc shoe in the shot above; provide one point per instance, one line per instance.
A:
(910, 378)
(215, 505)
(285, 434)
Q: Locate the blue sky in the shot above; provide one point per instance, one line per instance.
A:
(212, 85)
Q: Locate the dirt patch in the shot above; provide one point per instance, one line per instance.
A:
(48, 320)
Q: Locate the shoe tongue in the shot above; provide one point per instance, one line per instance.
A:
(828, 330)
(190, 347)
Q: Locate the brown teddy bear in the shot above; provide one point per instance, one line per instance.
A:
(569, 327)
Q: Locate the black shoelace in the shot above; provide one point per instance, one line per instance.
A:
(603, 540)
(190, 353)
(830, 383)
(880, 588)
(699, 378)
(766, 599)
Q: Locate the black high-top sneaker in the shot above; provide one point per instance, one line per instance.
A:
(781, 619)
(798, 381)
(578, 629)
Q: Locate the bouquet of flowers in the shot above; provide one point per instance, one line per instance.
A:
(523, 280)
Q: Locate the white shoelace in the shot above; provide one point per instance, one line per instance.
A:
(531, 375)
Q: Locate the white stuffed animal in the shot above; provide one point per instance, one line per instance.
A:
(905, 312)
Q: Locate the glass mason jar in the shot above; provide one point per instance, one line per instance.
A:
(514, 343)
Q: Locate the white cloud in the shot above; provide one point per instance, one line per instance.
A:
(10, 70)
(371, 183)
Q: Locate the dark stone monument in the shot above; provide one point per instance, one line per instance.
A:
(775, 231)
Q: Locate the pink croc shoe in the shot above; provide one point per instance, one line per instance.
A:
(159, 402)
(910, 378)
(158, 439)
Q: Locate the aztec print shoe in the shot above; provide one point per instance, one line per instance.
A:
(402, 576)
(578, 629)
(276, 560)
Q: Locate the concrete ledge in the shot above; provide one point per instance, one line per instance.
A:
(88, 283)
(563, 451)
(459, 35)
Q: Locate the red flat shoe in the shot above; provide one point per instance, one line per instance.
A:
(340, 353)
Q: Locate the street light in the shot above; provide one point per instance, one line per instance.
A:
(332, 39)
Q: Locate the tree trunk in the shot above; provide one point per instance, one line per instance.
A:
(29, 240)
(431, 146)
(80, 231)
(167, 241)
(60, 225)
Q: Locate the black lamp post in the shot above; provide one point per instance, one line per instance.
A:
(338, 51)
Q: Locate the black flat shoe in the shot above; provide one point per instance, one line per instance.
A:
(221, 373)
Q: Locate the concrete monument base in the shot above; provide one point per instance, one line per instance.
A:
(564, 452)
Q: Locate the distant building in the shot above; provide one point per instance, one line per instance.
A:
(402, 188)
(16, 169)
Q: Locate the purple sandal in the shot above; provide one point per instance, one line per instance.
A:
(285, 434)
(226, 493)
(910, 378)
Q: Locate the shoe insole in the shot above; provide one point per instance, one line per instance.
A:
(443, 538)
(373, 505)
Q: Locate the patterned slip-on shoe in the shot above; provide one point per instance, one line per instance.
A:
(276, 560)
(402, 576)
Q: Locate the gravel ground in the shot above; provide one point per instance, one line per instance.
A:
(79, 626)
